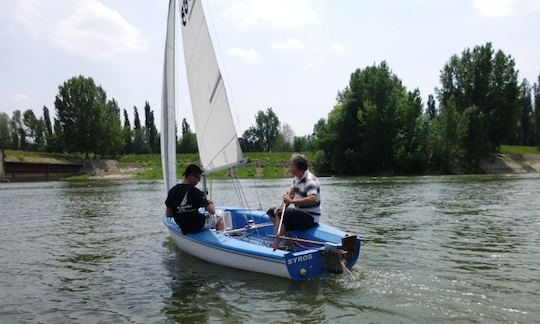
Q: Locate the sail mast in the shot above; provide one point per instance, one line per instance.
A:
(168, 102)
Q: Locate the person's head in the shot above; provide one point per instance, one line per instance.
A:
(192, 174)
(299, 164)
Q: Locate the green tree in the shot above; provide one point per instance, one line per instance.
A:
(151, 134)
(431, 109)
(536, 119)
(266, 130)
(48, 130)
(363, 125)
(525, 134)
(30, 121)
(188, 141)
(47, 119)
(304, 143)
(5, 141)
(249, 141)
(486, 80)
(139, 144)
(128, 134)
(284, 141)
(412, 145)
(57, 141)
(18, 135)
(111, 136)
(474, 136)
(35, 129)
(447, 136)
(80, 105)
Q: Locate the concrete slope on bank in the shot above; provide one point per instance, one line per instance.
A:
(511, 163)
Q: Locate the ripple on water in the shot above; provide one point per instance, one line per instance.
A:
(436, 249)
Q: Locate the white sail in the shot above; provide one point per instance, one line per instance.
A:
(216, 135)
(168, 117)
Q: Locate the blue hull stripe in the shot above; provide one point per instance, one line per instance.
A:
(275, 259)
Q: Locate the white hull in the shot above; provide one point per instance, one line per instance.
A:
(229, 258)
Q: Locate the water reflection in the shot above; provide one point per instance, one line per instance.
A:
(202, 292)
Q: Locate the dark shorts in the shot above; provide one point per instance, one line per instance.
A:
(296, 220)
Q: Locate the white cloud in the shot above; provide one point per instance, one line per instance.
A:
(338, 47)
(271, 13)
(28, 16)
(501, 8)
(21, 100)
(309, 67)
(84, 27)
(290, 45)
(96, 31)
(250, 55)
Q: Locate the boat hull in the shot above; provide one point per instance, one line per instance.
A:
(230, 251)
(198, 247)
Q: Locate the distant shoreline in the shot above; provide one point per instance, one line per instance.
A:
(261, 166)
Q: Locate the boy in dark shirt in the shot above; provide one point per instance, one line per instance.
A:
(183, 203)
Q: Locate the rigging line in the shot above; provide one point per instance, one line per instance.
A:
(225, 77)
(257, 193)
(246, 203)
(243, 193)
(236, 190)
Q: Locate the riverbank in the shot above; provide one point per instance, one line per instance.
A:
(148, 166)
(260, 165)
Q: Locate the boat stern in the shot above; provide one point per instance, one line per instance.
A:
(305, 265)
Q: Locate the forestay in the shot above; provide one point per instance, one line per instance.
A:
(216, 135)
(168, 117)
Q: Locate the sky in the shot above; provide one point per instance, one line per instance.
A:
(291, 55)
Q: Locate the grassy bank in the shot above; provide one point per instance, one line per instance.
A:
(38, 157)
(261, 165)
(514, 149)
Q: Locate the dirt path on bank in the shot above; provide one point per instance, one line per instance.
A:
(111, 170)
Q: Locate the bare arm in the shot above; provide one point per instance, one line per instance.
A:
(309, 200)
(169, 212)
(291, 192)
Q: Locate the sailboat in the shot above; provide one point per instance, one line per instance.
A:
(245, 244)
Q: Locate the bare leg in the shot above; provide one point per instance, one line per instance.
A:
(275, 220)
(275, 245)
(220, 226)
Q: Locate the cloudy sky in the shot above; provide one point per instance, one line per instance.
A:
(292, 55)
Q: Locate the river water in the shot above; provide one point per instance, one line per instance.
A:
(437, 249)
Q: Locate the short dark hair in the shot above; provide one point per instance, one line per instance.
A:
(192, 169)
(300, 161)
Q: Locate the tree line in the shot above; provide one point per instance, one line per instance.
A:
(377, 124)
(87, 122)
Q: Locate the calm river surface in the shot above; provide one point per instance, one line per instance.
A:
(438, 249)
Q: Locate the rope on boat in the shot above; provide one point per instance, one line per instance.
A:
(242, 197)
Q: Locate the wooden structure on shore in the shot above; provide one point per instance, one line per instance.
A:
(2, 172)
(23, 171)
